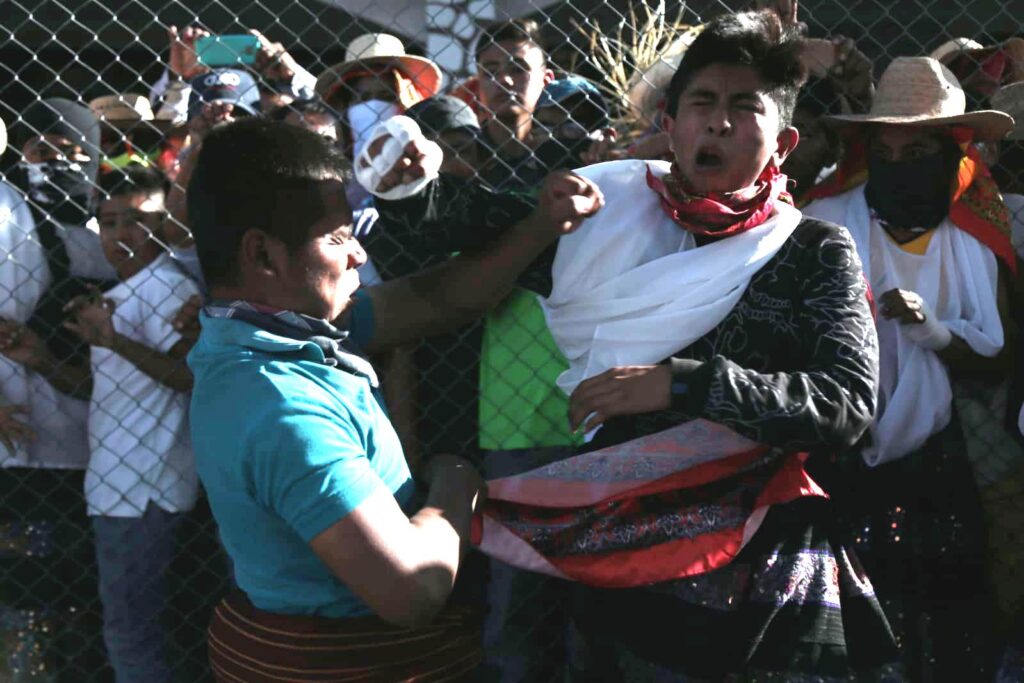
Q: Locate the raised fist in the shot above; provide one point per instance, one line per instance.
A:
(564, 201)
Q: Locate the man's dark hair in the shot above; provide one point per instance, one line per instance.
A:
(755, 39)
(256, 174)
(307, 106)
(515, 31)
(132, 179)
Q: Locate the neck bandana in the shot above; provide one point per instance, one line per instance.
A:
(720, 214)
(283, 323)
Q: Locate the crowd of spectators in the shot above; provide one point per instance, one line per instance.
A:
(158, 297)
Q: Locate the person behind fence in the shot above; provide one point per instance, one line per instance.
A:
(141, 477)
(45, 572)
(731, 307)
(451, 123)
(570, 122)
(129, 132)
(512, 70)
(311, 114)
(306, 478)
(376, 81)
(933, 234)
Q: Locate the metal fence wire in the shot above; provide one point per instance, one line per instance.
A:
(107, 547)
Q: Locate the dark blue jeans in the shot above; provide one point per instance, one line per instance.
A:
(527, 634)
(134, 554)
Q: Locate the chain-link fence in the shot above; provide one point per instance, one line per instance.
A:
(100, 281)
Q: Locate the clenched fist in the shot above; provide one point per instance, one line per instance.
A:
(564, 201)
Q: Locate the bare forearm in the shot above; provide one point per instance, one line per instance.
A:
(442, 528)
(462, 289)
(169, 371)
(67, 377)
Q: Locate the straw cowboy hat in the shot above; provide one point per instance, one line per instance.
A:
(1010, 99)
(375, 50)
(125, 111)
(919, 91)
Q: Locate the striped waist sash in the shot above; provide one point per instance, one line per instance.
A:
(669, 505)
(249, 645)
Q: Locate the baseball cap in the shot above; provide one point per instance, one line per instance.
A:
(560, 90)
(230, 86)
(443, 113)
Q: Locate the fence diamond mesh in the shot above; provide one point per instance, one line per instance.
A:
(108, 549)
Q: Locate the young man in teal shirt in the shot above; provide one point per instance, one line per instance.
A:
(305, 475)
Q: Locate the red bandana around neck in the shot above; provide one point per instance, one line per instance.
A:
(720, 214)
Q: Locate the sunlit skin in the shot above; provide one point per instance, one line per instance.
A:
(128, 225)
(727, 129)
(512, 76)
(318, 278)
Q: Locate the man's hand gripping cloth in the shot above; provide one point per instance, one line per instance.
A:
(631, 287)
(957, 276)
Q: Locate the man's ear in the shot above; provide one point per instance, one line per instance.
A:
(260, 253)
(610, 134)
(668, 124)
(786, 142)
(549, 76)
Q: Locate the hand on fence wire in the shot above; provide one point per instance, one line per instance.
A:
(183, 62)
(273, 61)
(852, 74)
(13, 430)
(21, 344)
(93, 318)
(186, 320)
(786, 9)
(628, 390)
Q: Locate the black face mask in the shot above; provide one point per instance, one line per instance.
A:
(554, 154)
(61, 188)
(912, 194)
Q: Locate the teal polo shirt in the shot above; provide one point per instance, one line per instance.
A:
(285, 447)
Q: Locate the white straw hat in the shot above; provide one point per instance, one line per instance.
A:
(124, 111)
(381, 49)
(919, 91)
(1010, 99)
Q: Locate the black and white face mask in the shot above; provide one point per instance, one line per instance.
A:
(60, 187)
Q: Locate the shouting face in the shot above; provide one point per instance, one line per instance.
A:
(727, 129)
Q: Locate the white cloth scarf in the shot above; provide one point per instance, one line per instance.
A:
(631, 287)
(957, 276)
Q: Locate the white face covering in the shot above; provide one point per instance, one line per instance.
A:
(364, 116)
(400, 131)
